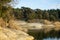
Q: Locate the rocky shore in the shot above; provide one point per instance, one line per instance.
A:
(11, 31)
(17, 29)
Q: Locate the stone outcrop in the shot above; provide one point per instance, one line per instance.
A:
(17, 30)
(11, 31)
(2, 23)
(18, 25)
(10, 34)
(57, 25)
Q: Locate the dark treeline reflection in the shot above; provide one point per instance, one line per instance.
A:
(43, 35)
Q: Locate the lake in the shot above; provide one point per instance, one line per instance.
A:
(51, 39)
(41, 35)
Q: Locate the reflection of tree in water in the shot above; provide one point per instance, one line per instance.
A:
(41, 35)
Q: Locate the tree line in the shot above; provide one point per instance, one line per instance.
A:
(25, 13)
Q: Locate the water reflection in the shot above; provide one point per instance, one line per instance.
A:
(41, 35)
(51, 39)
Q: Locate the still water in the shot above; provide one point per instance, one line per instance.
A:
(51, 39)
(51, 35)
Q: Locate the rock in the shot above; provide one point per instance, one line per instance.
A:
(48, 27)
(2, 23)
(47, 22)
(14, 24)
(13, 31)
(34, 25)
(57, 25)
(11, 34)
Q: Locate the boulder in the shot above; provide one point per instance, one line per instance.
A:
(18, 25)
(13, 31)
(11, 34)
(2, 23)
(57, 25)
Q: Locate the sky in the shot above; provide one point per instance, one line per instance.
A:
(41, 4)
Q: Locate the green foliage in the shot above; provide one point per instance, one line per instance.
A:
(26, 13)
(38, 13)
(18, 13)
(5, 9)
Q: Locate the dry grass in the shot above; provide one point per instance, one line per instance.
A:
(47, 22)
(57, 25)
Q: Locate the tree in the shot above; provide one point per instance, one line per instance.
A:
(28, 13)
(18, 13)
(58, 12)
(5, 9)
(39, 13)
